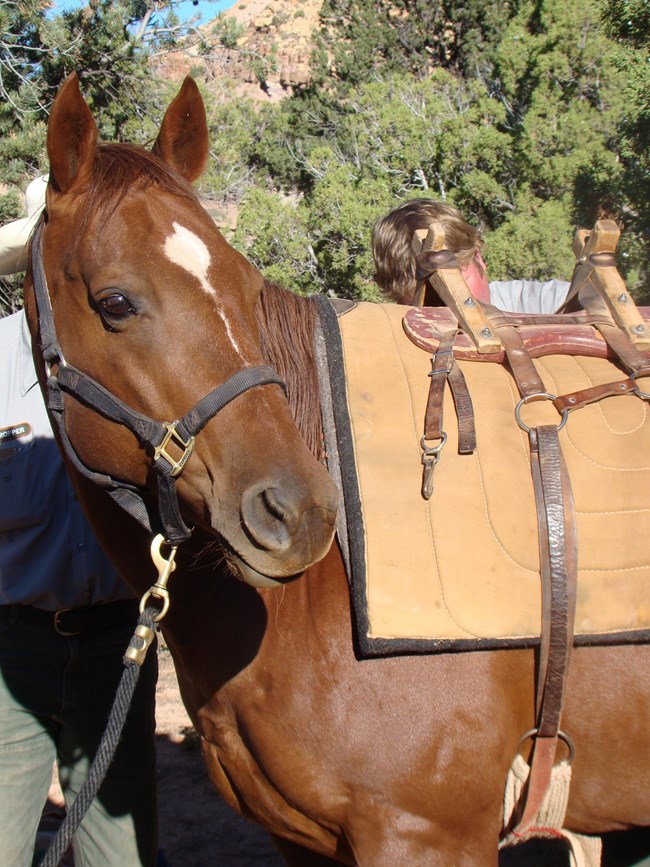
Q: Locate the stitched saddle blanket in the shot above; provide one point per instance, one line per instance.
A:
(461, 570)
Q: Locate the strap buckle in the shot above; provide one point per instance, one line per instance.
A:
(186, 447)
(450, 362)
(57, 623)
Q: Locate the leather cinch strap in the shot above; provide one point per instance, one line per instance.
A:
(558, 554)
(151, 434)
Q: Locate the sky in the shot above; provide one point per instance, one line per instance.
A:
(207, 8)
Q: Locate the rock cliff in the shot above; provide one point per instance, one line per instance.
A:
(262, 47)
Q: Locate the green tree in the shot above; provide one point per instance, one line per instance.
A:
(525, 136)
(399, 138)
(360, 39)
(109, 44)
(628, 23)
(563, 97)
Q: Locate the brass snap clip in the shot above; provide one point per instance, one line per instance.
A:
(430, 457)
(143, 635)
(165, 568)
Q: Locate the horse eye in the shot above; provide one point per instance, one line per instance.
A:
(116, 305)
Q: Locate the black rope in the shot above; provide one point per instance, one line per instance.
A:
(105, 751)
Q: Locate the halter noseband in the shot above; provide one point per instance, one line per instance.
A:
(156, 435)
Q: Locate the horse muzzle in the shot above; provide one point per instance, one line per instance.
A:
(283, 529)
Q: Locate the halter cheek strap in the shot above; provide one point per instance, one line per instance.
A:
(156, 437)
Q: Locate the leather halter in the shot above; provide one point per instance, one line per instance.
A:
(150, 433)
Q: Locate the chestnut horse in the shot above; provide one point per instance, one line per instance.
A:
(383, 762)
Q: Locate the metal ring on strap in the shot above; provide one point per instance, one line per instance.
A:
(532, 733)
(433, 451)
(644, 395)
(530, 398)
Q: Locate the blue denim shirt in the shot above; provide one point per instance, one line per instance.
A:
(49, 556)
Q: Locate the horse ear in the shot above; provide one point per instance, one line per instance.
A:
(183, 141)
(71, 137)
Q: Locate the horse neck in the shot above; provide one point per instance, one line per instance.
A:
(287, 323)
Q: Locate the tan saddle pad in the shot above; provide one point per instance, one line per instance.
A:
(461, 571)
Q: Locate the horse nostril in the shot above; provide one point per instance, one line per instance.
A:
(269, 518)
(273, 502)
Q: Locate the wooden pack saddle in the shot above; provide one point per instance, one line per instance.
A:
(605, 322)
(540, 381)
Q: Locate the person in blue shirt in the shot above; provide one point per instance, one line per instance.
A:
(66, 618)
(395, 261)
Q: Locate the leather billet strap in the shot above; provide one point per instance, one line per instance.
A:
(558, 550)
(442, 363)
(152, 435)
(528, 380)
(583, 397)
(444, 369)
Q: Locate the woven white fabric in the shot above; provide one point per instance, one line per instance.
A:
(584, 851)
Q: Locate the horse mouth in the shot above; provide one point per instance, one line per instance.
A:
(246, 573)
(243, 571)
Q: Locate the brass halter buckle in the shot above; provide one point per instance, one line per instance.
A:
(186, 447)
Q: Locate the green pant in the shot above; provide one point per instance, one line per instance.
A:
(55, 696)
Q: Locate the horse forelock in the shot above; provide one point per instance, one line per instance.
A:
(287, 323)
(117, 170)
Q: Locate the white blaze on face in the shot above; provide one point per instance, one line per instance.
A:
(189, 252)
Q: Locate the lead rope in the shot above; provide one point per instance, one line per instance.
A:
(141, 640)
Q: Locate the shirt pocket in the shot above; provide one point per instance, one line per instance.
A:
(23, 499)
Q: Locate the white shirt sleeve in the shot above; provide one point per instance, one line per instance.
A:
(14, 236)
(528, 296)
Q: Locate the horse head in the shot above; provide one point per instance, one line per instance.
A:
(151, 303)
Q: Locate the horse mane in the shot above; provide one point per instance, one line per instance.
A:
(118, 169)
(287, 324)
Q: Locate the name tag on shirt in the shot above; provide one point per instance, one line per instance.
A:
(14, 436)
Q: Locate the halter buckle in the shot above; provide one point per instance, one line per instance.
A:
(186, 447)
